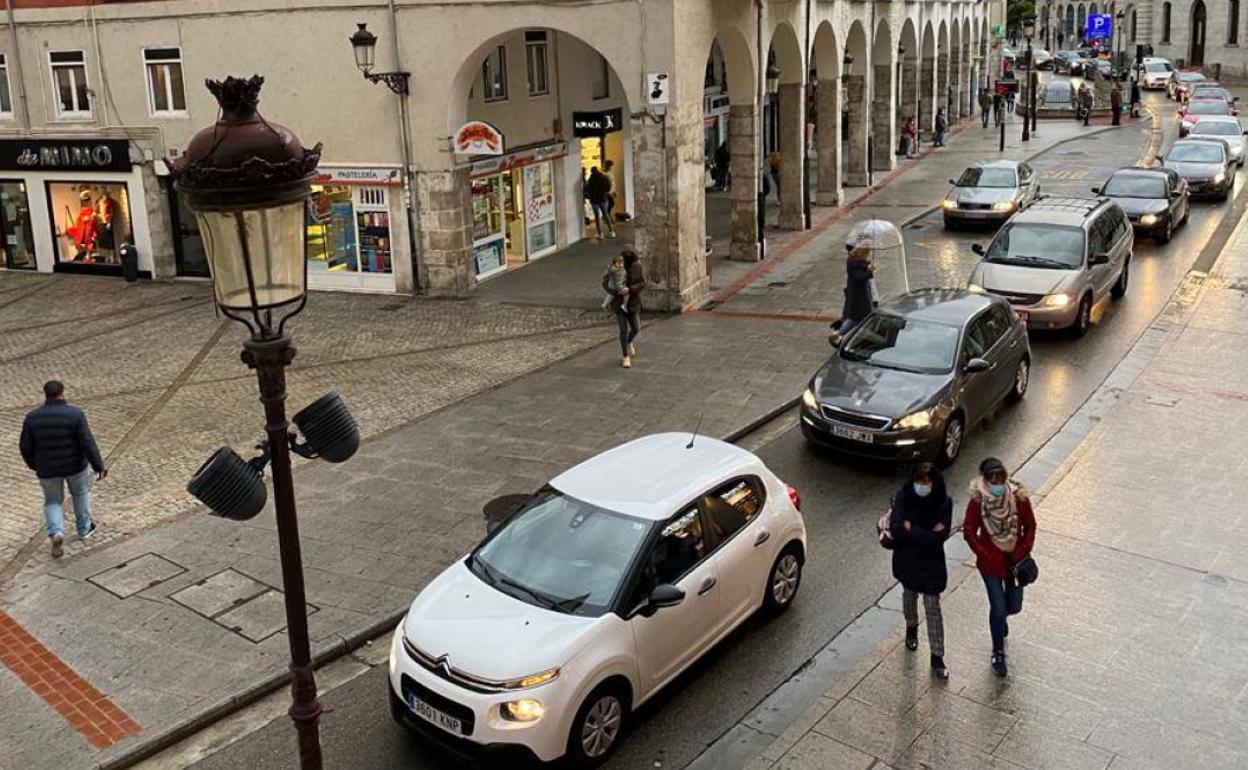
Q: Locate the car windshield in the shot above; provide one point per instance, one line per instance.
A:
(894, 342)
(1191, 77)
(1135, 186)
(976, 176)
(1035, 245)
(1210, 92)
(1216, 128)
(561, 553)
(1208, 108)
(1195, 152)
(1155, 67)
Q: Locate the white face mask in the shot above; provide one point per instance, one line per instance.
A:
(922, 490)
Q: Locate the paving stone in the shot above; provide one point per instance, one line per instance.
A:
(214, 595)
(868, 730)
(1041, 749)
(816, 752)
(134, 575)
(260, 617)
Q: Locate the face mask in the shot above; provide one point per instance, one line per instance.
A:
(996, 490)
(922, 490)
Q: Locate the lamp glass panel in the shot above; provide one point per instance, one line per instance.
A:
(364, 55)
(274, 244)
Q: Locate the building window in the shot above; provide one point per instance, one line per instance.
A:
(1165, 22)
(601, 78)
(69, 82)
(535, 56)
(1232, 21)
(1134, 27)
(165, 92)
(494, 76)
(6, 99)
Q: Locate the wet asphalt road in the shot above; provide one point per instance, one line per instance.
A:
(842, 499)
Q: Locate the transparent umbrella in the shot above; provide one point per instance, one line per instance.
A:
(888, 254)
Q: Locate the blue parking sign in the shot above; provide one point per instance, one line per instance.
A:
(1100, 26)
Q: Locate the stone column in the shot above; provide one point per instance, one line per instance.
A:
(446, 231)
(909, 90)
(883, 129)
(942, 84)
(968, 91)
(792, 141)
(745, 168)
(856, 163)
(927, 94)
(828, 141)
(955, 82)
(669, 198)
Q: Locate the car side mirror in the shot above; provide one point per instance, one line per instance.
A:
(1175, 194)
(501, 508)
(978, 248)
(953, 182)
(1096, 191)
(976, 365)
(664, 595)
(1099, 259)
(835, 340)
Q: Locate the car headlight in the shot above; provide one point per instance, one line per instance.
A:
(1003, 206)
(809, 401)
(526, 710)
(1148, 220)
(1220, 178)
(916, 420)
(949, 203)
(1057, 300)
(976, 288)
(525, 682)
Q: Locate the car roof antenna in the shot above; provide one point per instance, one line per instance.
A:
(694, 437)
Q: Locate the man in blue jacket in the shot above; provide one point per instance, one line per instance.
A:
(58, 446)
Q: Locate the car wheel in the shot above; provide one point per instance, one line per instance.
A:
(951, 439)
(783, 580)
(1163, 237)
(1083, 318)
(1022, 378)
(597, 726)
(950, 224)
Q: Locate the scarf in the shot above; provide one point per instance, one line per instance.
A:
(999, 514)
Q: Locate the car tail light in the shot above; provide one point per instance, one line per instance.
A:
(794, 497)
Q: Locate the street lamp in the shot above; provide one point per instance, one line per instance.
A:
(1029, 30)
(773, 79)
(364, 44)
(247, 181)
(1118, 17)
(901, 52)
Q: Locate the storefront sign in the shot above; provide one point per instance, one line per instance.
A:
(65, 154)
(517, 159)
(477, 137)
(597, 123)
(372, 176)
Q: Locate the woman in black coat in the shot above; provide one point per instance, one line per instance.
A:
(858, 274)
(921, 517)
(626, 304)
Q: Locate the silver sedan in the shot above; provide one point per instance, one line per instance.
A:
(990, 192)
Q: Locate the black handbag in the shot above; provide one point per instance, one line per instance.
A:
(1026, 572)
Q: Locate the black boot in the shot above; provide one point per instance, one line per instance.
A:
(998, 664)
(939, 668)
(912, 638)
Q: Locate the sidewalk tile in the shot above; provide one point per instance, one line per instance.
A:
(815, 752)
(866, 729)
(934, 750)
(1040, 749)
(963, 720)
(798, 729)
(896, 684)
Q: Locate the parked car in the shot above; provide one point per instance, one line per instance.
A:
(1068, 63)
(1195, 109)
(1212, 90)
(1056, 260)
(1181, 81)
(1206, 164)
(592, 595)
(1104, 67)
(1225, 128)
(1155, 75)
(1044, 59)
(910, 380)
(1155, 200)
(990, 191)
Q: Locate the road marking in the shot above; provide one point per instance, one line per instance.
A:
(1072, 175)
(87, 710)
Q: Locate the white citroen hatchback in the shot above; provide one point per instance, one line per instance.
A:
(595, 593)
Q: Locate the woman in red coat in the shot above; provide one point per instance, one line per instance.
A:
(1000, 528)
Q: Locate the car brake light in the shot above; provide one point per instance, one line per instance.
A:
(794, 497)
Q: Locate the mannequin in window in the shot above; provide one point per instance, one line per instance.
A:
(83, 231)
(105, 220)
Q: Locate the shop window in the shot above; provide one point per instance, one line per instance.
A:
(494, 76)
(69, 83)
(601, 83)
(90, 220)
(165, 90)
(535, 55)
(349, 230)
(6, 98)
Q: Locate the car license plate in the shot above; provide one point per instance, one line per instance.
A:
(854, 435)
(432, 715)
(1022, 315)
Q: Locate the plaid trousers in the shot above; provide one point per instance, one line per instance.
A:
(931, 610)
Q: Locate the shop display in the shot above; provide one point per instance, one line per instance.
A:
(93, 219)
(348, 230)
(19, 247)
(539, 208)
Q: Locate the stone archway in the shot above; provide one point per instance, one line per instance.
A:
(745, 162)
(883, 106)
(1198, 30)
(826, 56)
(790, 104)
(908, 93)
(855, 68)
(942, 70)
(927, 79)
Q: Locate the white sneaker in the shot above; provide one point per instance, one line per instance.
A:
(627, 363)
(632, 351)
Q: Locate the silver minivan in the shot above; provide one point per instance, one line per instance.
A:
(1056, 260)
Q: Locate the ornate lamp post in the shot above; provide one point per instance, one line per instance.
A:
(364, 44)
(247, 180)
(1029, 30)
(1118, 52)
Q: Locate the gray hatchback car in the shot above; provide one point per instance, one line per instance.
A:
(908, 381)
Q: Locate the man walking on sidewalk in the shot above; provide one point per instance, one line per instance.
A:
(58, 446)
(941, 126)
(985, 101)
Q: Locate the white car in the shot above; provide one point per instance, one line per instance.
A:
(595, 593)
(1155, 75)
(1225, 128)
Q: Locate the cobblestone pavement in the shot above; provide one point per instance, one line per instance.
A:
(159, 376)
(179, 618)
(1131, 652)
